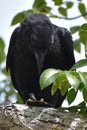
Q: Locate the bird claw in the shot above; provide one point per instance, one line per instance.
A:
(38, 103)
(32, 101)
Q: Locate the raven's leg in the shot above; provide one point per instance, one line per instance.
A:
(32, 101)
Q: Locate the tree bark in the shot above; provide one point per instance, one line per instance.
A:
(18, 116)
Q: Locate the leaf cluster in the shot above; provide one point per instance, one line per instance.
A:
(69, 82)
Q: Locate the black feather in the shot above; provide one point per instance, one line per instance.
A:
(36, 45)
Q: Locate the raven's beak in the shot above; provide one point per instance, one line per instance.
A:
(40, 57)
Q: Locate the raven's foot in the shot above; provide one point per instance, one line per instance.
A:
(32, 101)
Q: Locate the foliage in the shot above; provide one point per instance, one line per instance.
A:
(71, 80)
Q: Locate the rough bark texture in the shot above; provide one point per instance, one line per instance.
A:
(16, 117)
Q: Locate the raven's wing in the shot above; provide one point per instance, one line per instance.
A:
(10, 56)
(66, 45)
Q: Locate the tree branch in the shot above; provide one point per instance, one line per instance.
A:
(16, 117)
(73, 18)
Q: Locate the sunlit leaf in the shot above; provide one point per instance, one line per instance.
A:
(79, 64)
(73, 80)
(48, 77)
(54, 88)
(83, 79)
(62, 83)
(20, 16)
(39, 5)
(74, 73)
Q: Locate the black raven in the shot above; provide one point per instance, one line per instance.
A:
(36, 45)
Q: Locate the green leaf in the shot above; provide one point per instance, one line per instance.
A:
(4, 71)
(83, 79)
(2, 44)
(84, 91)
(81, 105)
(81, 86)
(54, 89)
(2, 52)
(70, 109)
(83, 33)
(80, 108)
(86, 49)
(82, 8)
(79, 64)
(62, 11)
(46, 10)
(71, 95)
(39, 5)
(19, 98)
(74, 29)
(57, 2)
(53, 16)
(73, 80)
(62, 83)
(83, 111)
(74, 73)
(20, 16)
(48, 77)
(73, 109)
(69, 4)
(77, 45)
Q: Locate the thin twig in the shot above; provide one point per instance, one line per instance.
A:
(72, 18)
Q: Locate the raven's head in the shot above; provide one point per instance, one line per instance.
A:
(41, 36)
